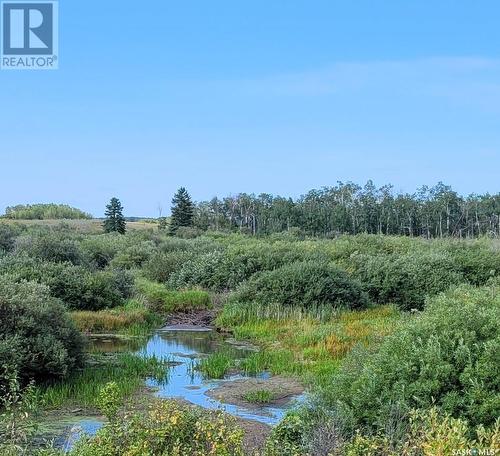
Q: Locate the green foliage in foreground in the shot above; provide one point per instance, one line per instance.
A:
(164, 429)
(304, 284)
(37, 338)
(44, 212)
(447, 357)
(429, 433)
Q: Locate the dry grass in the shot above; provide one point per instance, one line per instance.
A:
(109, 320)
(314, 346)
(82, 226)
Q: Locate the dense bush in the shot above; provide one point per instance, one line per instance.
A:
(427, 433)
(77, 287)
(8, 236)
(478, 263)
(134, 256)
(202, 270)
(446, 357)
(405, 280)
(37, 339)
(50, 247)
(304, 284)
(162, 265)
(165, 428)
(174, 244)
(100, 250)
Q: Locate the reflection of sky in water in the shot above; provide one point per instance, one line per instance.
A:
(183, 381)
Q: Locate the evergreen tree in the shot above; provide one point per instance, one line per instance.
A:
(182, 210)
(115, 221)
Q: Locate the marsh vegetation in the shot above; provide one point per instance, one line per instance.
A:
(396, 339)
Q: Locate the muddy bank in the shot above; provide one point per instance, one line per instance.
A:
(279, 391)
(195, 318)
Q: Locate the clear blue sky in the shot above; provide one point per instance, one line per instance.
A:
(257, 96)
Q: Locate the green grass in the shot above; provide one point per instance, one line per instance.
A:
(308, 344)
(280, 361)
(82, 388)
(216, 365)
(259, 396)
(167, 300)
(187, 300)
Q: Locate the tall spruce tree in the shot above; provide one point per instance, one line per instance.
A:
(115, 221)
(182, 210)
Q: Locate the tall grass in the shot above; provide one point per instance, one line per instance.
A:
(82, 388)
(163, 299)
(235, 313)
(309, 343)
(216, 365)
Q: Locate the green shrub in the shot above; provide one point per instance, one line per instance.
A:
(201, 270)
(79, 288)
(447, 357)
(101, 249)
(8, 236)
(162, 265)
(174, 244)
(430, 433)
(165, 428)
(286, 438)
(50, 247)
(477, 263)
(188, 232)
(37, 339)
(305, 284)
(134, 256)
(405, 280)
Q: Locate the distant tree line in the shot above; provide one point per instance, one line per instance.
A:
(348, 208)
(44, 212)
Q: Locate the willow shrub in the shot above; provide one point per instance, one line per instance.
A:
(446, 357)
(50, 246)
(79, 288)
(308, 284)
(162, 265)
(165, 428)
(405, 280)
(38, 341)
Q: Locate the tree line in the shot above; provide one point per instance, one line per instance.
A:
(44, 212)
(348, 208)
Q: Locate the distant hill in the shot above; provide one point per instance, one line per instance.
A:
(44, 212)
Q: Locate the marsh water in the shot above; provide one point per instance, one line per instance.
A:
(181, 347)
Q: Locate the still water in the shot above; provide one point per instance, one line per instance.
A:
(181, 348)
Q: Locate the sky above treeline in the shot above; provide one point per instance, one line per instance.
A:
(278, 97)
